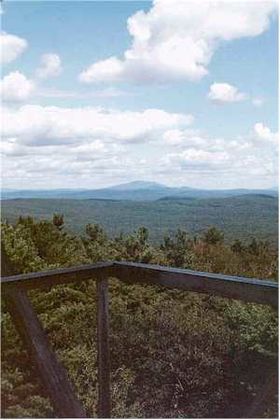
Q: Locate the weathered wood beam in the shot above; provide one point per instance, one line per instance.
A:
(52, 373)
(54, 277)
(103, 351)
(245, 289)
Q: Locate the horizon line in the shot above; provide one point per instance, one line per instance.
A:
(6, 189)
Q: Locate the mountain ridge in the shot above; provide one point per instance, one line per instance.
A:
(134, 191)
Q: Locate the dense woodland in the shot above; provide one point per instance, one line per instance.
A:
(239, 217)
(174, 354)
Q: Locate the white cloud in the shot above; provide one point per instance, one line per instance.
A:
(198, 160)
(56, 146)
(103, 71)
(225, 93)
(263, 132)
(37, 125)
(101, 93)
(178, 137)
(50, 66)
(15, 87)
(177, 43)
(12, 47)
(250, 160)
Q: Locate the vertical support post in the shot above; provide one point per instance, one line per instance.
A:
(103, 353)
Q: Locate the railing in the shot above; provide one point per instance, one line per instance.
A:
(52, 373)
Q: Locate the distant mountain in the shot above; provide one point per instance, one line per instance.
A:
(138, 185)
(133, 191)
(251, 196)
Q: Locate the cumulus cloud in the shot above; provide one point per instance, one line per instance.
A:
(37, 125)
(109, 70)
(177, 43)
(15, 87)
(12, 47)
(50, 66)
(225, 93)
(264, 133)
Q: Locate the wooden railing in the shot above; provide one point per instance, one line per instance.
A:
(52, 373)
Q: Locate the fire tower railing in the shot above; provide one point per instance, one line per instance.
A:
(52, 373)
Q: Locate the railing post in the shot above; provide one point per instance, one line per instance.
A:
(103, 352)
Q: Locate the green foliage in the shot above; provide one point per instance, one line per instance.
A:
(33, 246)
(134, 247)
(242, 217)
(22, 395)
(173, 354)
(20, 248)
(178, 251)
(256, 326)
(213, 236)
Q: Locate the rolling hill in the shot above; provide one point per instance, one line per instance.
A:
(241, 216)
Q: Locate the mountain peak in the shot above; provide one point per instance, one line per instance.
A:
(138, 185)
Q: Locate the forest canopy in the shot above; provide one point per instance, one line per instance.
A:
(174, 354)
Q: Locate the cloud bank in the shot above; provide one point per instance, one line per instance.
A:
(55, 146)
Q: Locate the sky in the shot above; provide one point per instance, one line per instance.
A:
(180, 92)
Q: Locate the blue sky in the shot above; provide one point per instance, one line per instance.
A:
(216, 106)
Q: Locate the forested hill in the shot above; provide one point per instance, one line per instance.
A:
(135, 191)
(240, 217)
